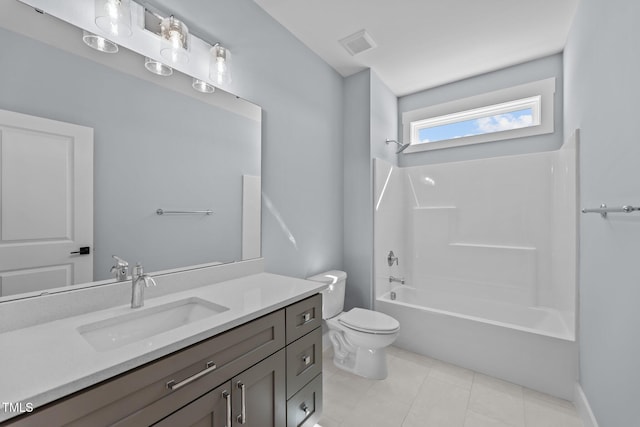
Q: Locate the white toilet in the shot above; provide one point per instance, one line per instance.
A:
(359, 336)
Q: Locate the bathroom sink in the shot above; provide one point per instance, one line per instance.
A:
(141, 324)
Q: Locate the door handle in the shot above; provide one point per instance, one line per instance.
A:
(85, 250)
(172, 385)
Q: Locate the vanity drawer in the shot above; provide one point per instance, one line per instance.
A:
(304, 361)
(303, 317)
(140, 396)
(305, 407)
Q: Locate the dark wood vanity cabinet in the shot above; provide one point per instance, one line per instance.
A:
(265, 373)
(209, 410)
(263, 388)
(304, 362)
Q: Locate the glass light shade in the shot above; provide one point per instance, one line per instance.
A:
(114, 17)
(157, 67)
(174, 36)
(202, 86)
(220, 65)
(97, 42)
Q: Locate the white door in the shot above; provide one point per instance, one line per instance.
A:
(46, 203)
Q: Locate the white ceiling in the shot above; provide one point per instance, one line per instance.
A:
(427, 43)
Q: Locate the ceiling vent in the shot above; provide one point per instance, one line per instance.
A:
(358, 42)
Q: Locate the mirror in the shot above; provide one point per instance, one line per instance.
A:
(158, 144)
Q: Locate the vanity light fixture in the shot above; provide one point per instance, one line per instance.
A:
(162, 39)
(202, 86)
(114, 17)
(99, 43)
(220, 65)
(174, 36)
(157, 67)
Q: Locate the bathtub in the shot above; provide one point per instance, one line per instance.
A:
(531, 346)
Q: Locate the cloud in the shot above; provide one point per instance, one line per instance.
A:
(502, 122)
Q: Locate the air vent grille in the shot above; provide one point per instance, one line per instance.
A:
(358, 42)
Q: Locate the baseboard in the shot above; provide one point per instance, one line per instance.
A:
(584, 409)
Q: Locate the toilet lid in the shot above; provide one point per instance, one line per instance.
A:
(369, 321)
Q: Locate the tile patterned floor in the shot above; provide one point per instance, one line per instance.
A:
(424, 392)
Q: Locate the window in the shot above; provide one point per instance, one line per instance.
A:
(493, 116)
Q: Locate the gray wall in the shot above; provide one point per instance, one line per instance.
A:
(527, 72)
(370, 117)
(358, 214)
(301, 97)
(602, 59)
(153, 148)
(384, 121)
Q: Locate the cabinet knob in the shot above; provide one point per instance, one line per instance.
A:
(306, 317)
(305, 408)
(306, 360)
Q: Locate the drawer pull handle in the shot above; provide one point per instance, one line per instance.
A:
(305, 409)
(306, 360)
(242, 418)
(306, 318)
(173, 386)
(227, 398)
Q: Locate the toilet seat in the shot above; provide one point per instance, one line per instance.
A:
(369, 321)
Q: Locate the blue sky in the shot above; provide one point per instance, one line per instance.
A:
(497, 123)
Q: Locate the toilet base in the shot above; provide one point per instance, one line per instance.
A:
(364, 362)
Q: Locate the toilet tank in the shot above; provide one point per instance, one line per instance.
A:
(333, 296)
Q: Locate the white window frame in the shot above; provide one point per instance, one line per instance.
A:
(537, 95)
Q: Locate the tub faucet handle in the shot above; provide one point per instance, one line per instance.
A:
(391, 258)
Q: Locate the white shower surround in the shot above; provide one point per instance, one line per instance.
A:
(488, 251)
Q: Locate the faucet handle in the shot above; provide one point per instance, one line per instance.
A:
(139, 274)
(138, 270)
(119, 261)
(391, 258)
(120, 268)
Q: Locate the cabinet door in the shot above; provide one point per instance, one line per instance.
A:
(211, 410)
(259, 394)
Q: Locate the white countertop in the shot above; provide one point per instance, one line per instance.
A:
(42, 363)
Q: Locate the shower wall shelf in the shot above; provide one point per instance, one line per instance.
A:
(603, 210)
(165, 212)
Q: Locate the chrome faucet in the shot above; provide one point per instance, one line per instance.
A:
(396, 279)
(121, 269)
(139, 281)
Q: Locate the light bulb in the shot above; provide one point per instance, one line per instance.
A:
(174, 36)
(220, 65)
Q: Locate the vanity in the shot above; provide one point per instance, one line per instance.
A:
(218, 345)
(245, 352)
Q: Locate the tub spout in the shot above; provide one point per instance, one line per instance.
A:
(396, 279)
